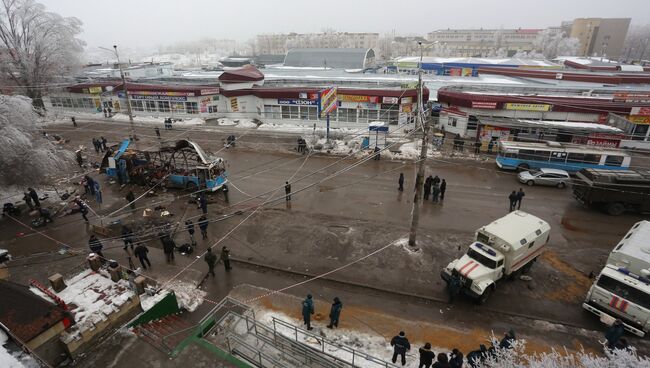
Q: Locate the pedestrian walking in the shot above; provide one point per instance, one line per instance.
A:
(307, 311)
(82, 209)
(377, 153)
(225, 257)
(80, 159)
(90, 184)
(96, 145)
(105, 113)
(157, 132)
(456, 359)
(129, 255)
(96, 246)
(141, 252)
(287, 190)
(211, 260)
(443, 188)
(103, 142)
(224, 189)
(477, 147)
(335, 313)
(110, 112)
(28, 200)
(400, 346)
(614, 333)
(189, 226)
(442, 361)
(427, 187)
(45, 214)
(520, 197)
(74, 121)
(426, 356)
(127, 236)
(168, 248)
(513, 200)
(203, 225)
(400, 182)
(130, 197)
(203, 203)
(435, 193)
(34, 196)
(98, 192)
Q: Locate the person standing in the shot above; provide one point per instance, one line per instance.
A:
(426, 356)
(442, 361)
(443, 188)
(435, 193)
(141, 252)
(307, 311)
(614, 333)
(203, 225)
(189, 226)
(513, 200)
(157, 132)
(335, 313)
(82, 209)
(80, 159)
(427, 187)
(130, 197)
(203, 203)
(90, 185)
(436, 180)
(453, 288)
(103, 142)
(225, 257)
(400, 182)
(96, 246)
(477, 147)
(287, 190)
(34, 196)
(211, 260)
(520, 197)
(74, 121)
(98, 192)
(456, 360)
(129, 254)
(28, 200)
(224, 189)
(95, 145)
(127, 236)
(400, 346)
(168, 248)
(377, 153)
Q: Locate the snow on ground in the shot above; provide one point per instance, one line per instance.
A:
(148, 301)
(240, 123)
(16, 359)
(63, 116)
(187, 295)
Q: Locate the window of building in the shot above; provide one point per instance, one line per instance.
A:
(308, 112)
(137, 105)
(347, 115)
(163, 106)
(192, 107)
(614, 160)
(290, 112)
(67, 102)
(56, 102)
(272, 112)
(366, 116)
(150, 106)
(452, 121)
(178, 107)
(640, 131)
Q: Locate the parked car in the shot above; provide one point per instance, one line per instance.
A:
(553, 177)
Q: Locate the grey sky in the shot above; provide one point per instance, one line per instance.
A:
(147, 23)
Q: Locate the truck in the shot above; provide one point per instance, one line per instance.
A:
(504, 248)
(622, 289)
(613, 191)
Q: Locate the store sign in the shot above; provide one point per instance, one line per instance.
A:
(407, 100)
(640, 111)
(631, 97)
(327, 101)
(353, 98)
(390, 100)
(293, 101)
(234, 105)
(527, 107)
(601, 142)
(639, 119)
(453, 110)
(406, 108)
(95, 90)
(161, 93)
(368, 106)
(411, 85)
(210, 91)
(158, 98)
(484, 105)
(466, 72)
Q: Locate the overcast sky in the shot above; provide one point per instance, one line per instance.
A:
(148, 23)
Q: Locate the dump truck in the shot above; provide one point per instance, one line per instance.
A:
(622, 289)
(613, 191)
(503, 248)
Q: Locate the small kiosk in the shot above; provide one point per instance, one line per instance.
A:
(377, 134)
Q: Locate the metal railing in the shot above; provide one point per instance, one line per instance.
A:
(238, 347)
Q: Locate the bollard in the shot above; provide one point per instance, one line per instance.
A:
(140, 284)
(94, 262)
(57, 283)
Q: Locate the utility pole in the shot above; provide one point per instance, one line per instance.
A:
(419, 179)
(126, 92)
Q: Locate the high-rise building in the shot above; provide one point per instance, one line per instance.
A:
(484, 42)
(281, 43)
(602, 37)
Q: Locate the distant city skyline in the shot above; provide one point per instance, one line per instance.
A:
(148, 24)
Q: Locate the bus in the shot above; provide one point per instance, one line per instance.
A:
(569, 157)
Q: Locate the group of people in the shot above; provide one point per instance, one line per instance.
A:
(302, 145)
(434, 187)
(515, 199)
(100, 144)
(401, 346)
(212, 260)
(459, 143)
(168, 123)
(308, 311)
(108, 112)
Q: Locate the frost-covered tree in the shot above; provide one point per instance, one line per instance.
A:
(36, 46)
(637, 43)
(552, 43)
(26, 157)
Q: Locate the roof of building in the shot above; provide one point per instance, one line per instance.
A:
(247, 73)
(572, 75)
(476, 62)
(331, 58)
(26, 314)
(573, 126)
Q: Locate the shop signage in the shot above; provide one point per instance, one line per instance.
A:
(639, 119)
(209, 91)
(353, 98)
(294, 101)
(406, 108)
(484, 105)
(95, 90)
(161, 93)
(407, 100)
(527, 107)
(234, 106)
(327, 101)
(453, 110)
(411, 85)
(631, 97)
(600, 142)
(390, 100)
(158, 98)
(466, 72)
(367, 106)
(640, 111)
(302, 95)
(455, 72)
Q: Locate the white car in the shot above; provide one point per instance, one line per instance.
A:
(552, 177)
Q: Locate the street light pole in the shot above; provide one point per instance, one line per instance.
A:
(126, 92)
(419, 179)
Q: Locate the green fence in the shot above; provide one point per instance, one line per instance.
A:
(166, 306)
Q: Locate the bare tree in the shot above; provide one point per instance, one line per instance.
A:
(637, 43)
(36, 46)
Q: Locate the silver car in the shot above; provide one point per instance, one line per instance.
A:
(551, 177)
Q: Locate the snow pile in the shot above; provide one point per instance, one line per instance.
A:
(92, 296)
(187, 295)
(63, 116)
(336, 146)
(16, 359)
(411, 151)
(148, 301)
(241, 123)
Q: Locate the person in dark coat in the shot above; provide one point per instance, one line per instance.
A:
(287, 190)
(168, 248)
(442, 361)
(225, 257)
(435, 192)
(130, 197)
(80, 159)
(203, 225)
(74, 121)
(335, 313)
(614, 333)
(90, 184)
(95, 145)
(105, 113)
(400, 182)
(436, 180)
(211, 259)
(127, 236)
(490, 147)
(103, 142)
(426, 356)
(520, 197)
(189, 226)
(400, 346)
(477, 147)
(507, 340)
(377, 153)
(45, 214)
(96, 246)
(28, 200)
(307, 311)
(476, 357)
(456, 359)
(427, 187)
(224, 189)
(203, 203)
(443, 188)
(513, 200)
(141, 252)
(453, 288)
(34, 196)
(157, 132)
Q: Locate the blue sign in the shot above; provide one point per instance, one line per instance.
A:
(294, 101)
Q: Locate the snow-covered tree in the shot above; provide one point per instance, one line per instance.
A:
(637, 43)
(36, 46)
(26, 157)
(552, 43)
